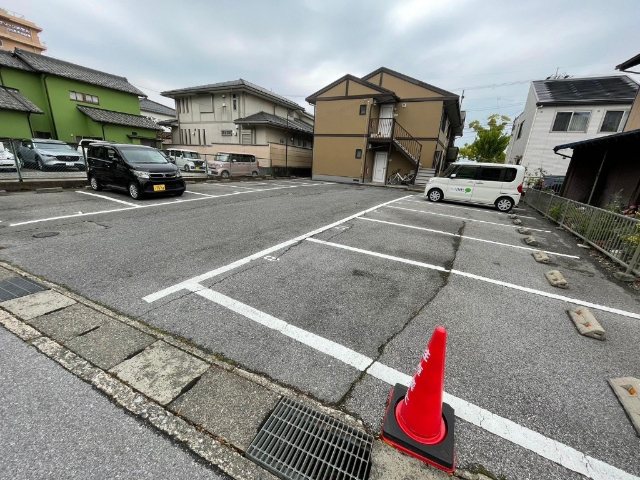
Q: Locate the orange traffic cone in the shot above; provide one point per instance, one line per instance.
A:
(416, 421)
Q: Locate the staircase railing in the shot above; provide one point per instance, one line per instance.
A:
(390, 129)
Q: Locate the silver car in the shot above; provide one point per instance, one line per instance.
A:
(44, 154)
(6, 158)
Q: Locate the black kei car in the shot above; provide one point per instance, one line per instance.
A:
(138, 169)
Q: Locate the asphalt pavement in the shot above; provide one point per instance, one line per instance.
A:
(345, 290)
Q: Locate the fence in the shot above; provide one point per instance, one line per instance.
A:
(615, 235)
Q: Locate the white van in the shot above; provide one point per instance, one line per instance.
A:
(484, 183)
(187, 160)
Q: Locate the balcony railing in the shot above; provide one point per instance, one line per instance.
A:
(390, 129)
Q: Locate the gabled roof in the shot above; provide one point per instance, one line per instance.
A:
(578, 91)
(53, 66)
(118, 118)
(273, 120)
(632, 62)
(147, 105)
(381, 91)
(236, 85)
(409, 79)
(8, 59)
(600, 141)
(12, 99)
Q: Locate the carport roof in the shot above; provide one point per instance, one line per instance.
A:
(118, 118)
(632, 135)
(12, 99)
(273, 120)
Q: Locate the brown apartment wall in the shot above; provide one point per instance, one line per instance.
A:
(633, 123)
(336, 156)
(341, 117)
(420, 119)
(404, 89)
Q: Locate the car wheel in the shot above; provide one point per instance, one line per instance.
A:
(95, 184)
(39, 164)
(254, 174)
(187, 168)
(134, 191)
(225, 174)
(435, 195)
(504, 204)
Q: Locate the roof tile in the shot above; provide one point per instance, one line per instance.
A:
(12, 99)
(118, 118)
(270, 119)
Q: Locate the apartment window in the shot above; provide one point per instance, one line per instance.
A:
(226, 133)
(186, 101)
(571, 122)
(443, 122)
(520, 130)
(235, 102)
(612, 121)
(83, 97)
(358, 153)
(363, 109)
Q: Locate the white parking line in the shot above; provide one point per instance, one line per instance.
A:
(467, 219)
(469, 238)
(446, 205)
(205, 276)
(149, 205)
(481, 278)
(203, 194)
(109, 198)
(548, 448)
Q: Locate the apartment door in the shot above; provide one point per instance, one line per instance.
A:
(379, 167)
(386, 121)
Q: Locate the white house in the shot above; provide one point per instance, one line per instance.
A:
(567, 110)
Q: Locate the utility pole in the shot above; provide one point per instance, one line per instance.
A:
(286, 150)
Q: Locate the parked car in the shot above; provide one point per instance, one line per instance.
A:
(233, 164)
(187, 160)
(45, 153)
(482, 183)
(550, 182)
(7, 159)
(138, 169)
(85, 142)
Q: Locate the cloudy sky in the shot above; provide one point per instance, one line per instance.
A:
(490, 49)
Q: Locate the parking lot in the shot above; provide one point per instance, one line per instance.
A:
(334, 290)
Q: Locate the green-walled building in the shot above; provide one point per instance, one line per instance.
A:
(69, 102)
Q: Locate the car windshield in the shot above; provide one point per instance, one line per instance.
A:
(58, 147)
(195, 155)
(222, 157)
(448, 171)
(143, 155)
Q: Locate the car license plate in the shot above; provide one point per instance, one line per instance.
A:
(158, 188)
(69, 164)
(198, 168)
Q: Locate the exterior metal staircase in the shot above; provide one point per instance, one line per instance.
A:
(388, 129)
(423, 176)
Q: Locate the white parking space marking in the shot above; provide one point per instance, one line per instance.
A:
(480, 278)
(149, 205)
(467, 219)
(478, 209)
(440, 232)
(548, 448)
(109, 198)
(203, 194)
(218, 271)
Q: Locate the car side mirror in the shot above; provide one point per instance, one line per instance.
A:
(453, 175)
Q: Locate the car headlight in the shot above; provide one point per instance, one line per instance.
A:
(48, 156)
(140, 174)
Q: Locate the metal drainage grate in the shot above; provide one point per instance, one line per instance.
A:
(297, 443)
(17, 287)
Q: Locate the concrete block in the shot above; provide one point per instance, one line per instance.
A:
(227, 405)
(556, 279)
(517, 221)
(524, 230)
(531, 241)
(6, 274)
(586, 247)
(37, 304)
(161, 371)
(541, 257)
(387, 463)
(69, 322)
(49, 190)
(586, 323)
(110, 344)
(627, 389)
(513, 215)
(625, 277)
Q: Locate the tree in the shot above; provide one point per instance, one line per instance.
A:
(490, 143)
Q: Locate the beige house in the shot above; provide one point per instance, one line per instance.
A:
(633, 120)
(16, 32)
(241, 116)
(368, 128)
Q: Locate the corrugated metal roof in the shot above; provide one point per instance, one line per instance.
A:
(155, 107)
(614, 89)
(118, 118)
(270, 119)
(240, 83)
(53, 66)
(12, 99)
(591, 142)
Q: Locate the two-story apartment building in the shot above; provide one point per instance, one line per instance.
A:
(76, 102)
(561, 111)
(368, 128)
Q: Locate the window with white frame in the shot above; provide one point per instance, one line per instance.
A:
(226, 133)
(612, 121)
(83, 97)
(520, 130)
(571, 122)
